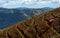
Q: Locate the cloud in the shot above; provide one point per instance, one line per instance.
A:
(28, 3)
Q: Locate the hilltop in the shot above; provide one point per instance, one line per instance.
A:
(36, 27)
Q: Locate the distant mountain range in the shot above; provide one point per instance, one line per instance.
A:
(12, 16)
(24, 8)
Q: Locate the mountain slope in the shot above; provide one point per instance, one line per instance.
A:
(12, 16)
(47, 8)
(36, 27)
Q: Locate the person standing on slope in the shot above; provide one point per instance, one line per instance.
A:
(32, 14)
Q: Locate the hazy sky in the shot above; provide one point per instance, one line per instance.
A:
(29, 3)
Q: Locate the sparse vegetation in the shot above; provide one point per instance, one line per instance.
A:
(37, 27)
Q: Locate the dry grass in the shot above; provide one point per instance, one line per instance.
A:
(37, 27)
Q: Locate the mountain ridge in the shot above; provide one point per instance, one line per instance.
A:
(25, 8)
(36, 27)
(12, 16)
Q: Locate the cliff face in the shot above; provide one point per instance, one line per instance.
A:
(40, 26)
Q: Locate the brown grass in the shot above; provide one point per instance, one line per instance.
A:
(37, 27)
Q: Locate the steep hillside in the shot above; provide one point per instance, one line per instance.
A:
(12, 16)
(45, 25)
